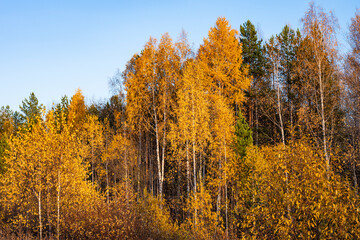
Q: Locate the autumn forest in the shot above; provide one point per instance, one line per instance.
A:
(242, 138)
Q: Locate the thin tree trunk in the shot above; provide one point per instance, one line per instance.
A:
(194, 165)
(200, 168)
(280, 114)
(164, 140)
(139, 164)
(92, 160)
(291, 121)
(107, 171)
(157, 142)
(151, 169)
(257, 123)
(58, 207)
(147, 180)
(178, 193)
(194, 159)
(115, 184)
(126, 165)
(203, 171)
(219, 191)
(126, 174)
(251, 109)
(39, 211)
(158, 158)
(158, 152)
(226, 196)
(163, 153)
(107, 181)
(354, 174)
(276, 72)
(48, 207)
(323, 120)
(187, 169)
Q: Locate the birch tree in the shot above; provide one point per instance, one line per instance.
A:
(319, 30)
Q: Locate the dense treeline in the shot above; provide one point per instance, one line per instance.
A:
(241, 139)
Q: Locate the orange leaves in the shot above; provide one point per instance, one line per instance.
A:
(150, 78)
(192, 112)
(221, 52)
(77, 109)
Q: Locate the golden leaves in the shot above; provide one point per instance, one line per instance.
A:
(293, 195)
(222, 57)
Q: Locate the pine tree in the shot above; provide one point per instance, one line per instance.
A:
(253, 58)
(290, 41)
(252, 51)
(243, 136)
(30, 109)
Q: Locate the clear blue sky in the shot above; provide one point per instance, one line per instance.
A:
(52, 47)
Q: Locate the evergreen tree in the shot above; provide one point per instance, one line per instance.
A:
(253, 57)
(289, 44)
(63, 106)
(252, 50)
(243, 136)
(30, 109)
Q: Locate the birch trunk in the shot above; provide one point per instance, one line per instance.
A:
(323, 124)
(226, 197)
(38, 196)
(58, 207)
(187, 169)
(194, 159)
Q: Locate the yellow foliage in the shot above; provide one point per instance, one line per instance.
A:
(77, 110)
(293, 196)
(222, 54)
(203, 224)
(46, 176)
(155, 222)
(92, 137)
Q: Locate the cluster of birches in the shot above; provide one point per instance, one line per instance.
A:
(240, 139)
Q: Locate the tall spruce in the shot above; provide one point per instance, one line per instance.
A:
(290, 40)
(253, 57)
